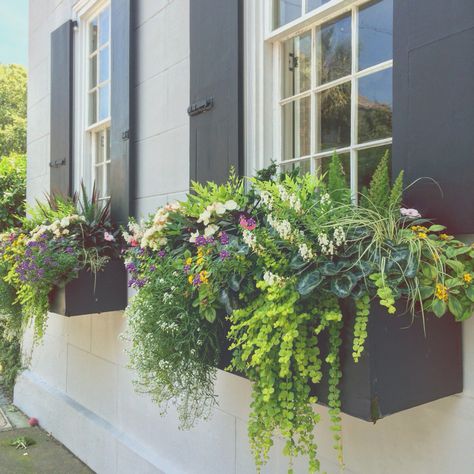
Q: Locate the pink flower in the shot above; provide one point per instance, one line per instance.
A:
(247, 224)
(33, 422)
(411, 213)
(109, 237)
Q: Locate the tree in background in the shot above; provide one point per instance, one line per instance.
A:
(12, 109)
(13, 80)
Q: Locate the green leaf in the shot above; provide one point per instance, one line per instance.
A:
(437, 228)
(426, 292)
(343, 285)
(297, 262)
(458, 267)
(309, 282)
(439, 308)
(210, 314)
(455, 307)
(470, 292)
(331, 268)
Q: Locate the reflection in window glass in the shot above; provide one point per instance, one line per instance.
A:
(285, 11)
(104, 61)
(93, 72)
(296, 128)
(93, 35)
(297, 65)
(104, 102)
(301, 167)
(92, 107)
(334, 50)
(375, 33)
(323, 166)
(375, 106)
(312, 4)
(367, 162)
(104, 27)
(335, 117)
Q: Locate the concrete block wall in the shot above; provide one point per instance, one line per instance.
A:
(78, 383)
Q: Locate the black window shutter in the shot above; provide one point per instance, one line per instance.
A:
(216, 123)
(122, 112)
(61, 109)
(433, 120)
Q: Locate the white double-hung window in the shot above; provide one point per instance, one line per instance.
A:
(333, 84)
(96, 67)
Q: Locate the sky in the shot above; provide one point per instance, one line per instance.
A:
(14, 31)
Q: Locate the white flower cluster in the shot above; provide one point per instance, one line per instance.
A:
(271, 279)
(217, 208)
(305, 252)
(267, 199)
(152, 237)
(325, 199)
(329, 247)
(283, 227)
(249, 239)
(291, 199)
(58, 228)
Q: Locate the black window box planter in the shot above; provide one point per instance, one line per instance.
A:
(400, 368)
(90, 294)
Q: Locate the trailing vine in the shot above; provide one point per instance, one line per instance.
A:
(362, 306)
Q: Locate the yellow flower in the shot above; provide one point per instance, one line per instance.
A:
(422, 235)
(467, 277)
(414, 228)
(441, 292)
(200, 253)
(200, 261)
(444, 236)
(189, 261)
(204, 276)
(190, 279)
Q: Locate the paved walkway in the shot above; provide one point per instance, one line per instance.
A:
(44, 455)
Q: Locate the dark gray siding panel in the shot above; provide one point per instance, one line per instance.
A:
(433, 129)
(122, 110)
(216, 73)
(61, 109)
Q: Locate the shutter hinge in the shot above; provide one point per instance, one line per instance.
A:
(292, 62)
(57, 163)
(126, 135)
(201, 106)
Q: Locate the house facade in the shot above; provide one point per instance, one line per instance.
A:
(142, 96)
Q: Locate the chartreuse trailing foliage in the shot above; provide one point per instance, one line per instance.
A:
(269, 266)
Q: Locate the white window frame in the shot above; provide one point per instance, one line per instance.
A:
(263, 83)
(85, 146)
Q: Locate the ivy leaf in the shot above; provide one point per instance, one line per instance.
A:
(470, 293)
(439, 307)
(455, 307)
(297, 262)
(234, 282)
(309, 282)
(343, 285)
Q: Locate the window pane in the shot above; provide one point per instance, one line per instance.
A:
(323, 166)
(104, 62)
(104, 102)
(104, 26)
(100, 144)
(334, 50)
(335, 117)
(375, 106)
(92, 107)
(368, 161)
(93, 72)
(99, 180)
(93, 35)
(296, 128)
(285, 11)
(107, 150)
(375, 33)
(297, 65)
(301, 167)
(107, 180)
(312, 4)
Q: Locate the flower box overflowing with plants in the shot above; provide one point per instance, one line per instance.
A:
(267, 265)
(61, 240)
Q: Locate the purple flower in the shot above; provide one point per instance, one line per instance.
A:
(200, 241)
(161, 253)
(224, 254)
(197, 280)
(187, 268)
(131, 267)
(69, 250)
(224, 238)
(152, 268)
